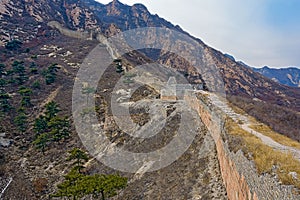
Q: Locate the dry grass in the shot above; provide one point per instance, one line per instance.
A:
(264, 129)
(203, 96)
(264, 156)
(281, 119)
(237, 109)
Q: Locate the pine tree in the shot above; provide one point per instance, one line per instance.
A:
(119, 67)
(40, 124)
(51, 110)
(79, 156)
(21, 122)
(50, 128)
(77, 185)
(50, 74)
(88, 91)
(4, 101)
(42, 141)
(2, 69)
(59, 128)
(25, 93)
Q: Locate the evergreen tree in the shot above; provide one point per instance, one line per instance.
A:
(59, 128)
(25, 93)
(88, 91)
(104, 185)
(119, 67)
(36, 85)
(2, 69)
(2, 82)
(4, 103)
(18, 67)
(34, 70)
(79, 156)
(72, 186)
(42, 141)
(50, 78)
(21, 120)
(51, 110)
(40, 124)
(50, 128)
(77, 185)
(13, 45)
(50, 74)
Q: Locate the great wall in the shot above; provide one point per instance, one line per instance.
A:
(238, 173)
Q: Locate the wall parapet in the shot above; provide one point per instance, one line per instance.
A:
(239, 174)
(70, 33)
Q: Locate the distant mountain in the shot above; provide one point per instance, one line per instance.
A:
(27, 22)
(287, 76)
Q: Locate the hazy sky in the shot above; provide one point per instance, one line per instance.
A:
(258, 32)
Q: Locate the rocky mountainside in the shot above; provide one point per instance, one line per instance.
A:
(288, 76)
(25, 20)
(39, 66)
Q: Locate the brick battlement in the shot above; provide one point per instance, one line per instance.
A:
(239, 174)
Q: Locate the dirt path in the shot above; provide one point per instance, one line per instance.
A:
(51, 97)
(244, 123)
(270, 142)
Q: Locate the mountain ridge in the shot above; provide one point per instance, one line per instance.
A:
(116, 17)
(39, 64)
(288, 76)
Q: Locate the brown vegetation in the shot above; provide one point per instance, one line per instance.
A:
(265, 158)
(278, 118)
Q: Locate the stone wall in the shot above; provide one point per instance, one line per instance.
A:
(67, 32)
(238, 173)
(84, 35)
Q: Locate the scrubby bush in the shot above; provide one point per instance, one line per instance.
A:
(13, 45)
(279, 118)
(50, 74)
(77, 185)
(50, 128)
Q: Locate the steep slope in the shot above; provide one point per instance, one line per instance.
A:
(35, 174)
(114, 17)
(238, 79)
(196, 174)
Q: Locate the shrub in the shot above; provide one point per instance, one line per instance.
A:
(50, 74)
(40, 184)
(21, 121)
(13, 45)
(4, 103)
(36, 85)
(50, 128)
(77, 185)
